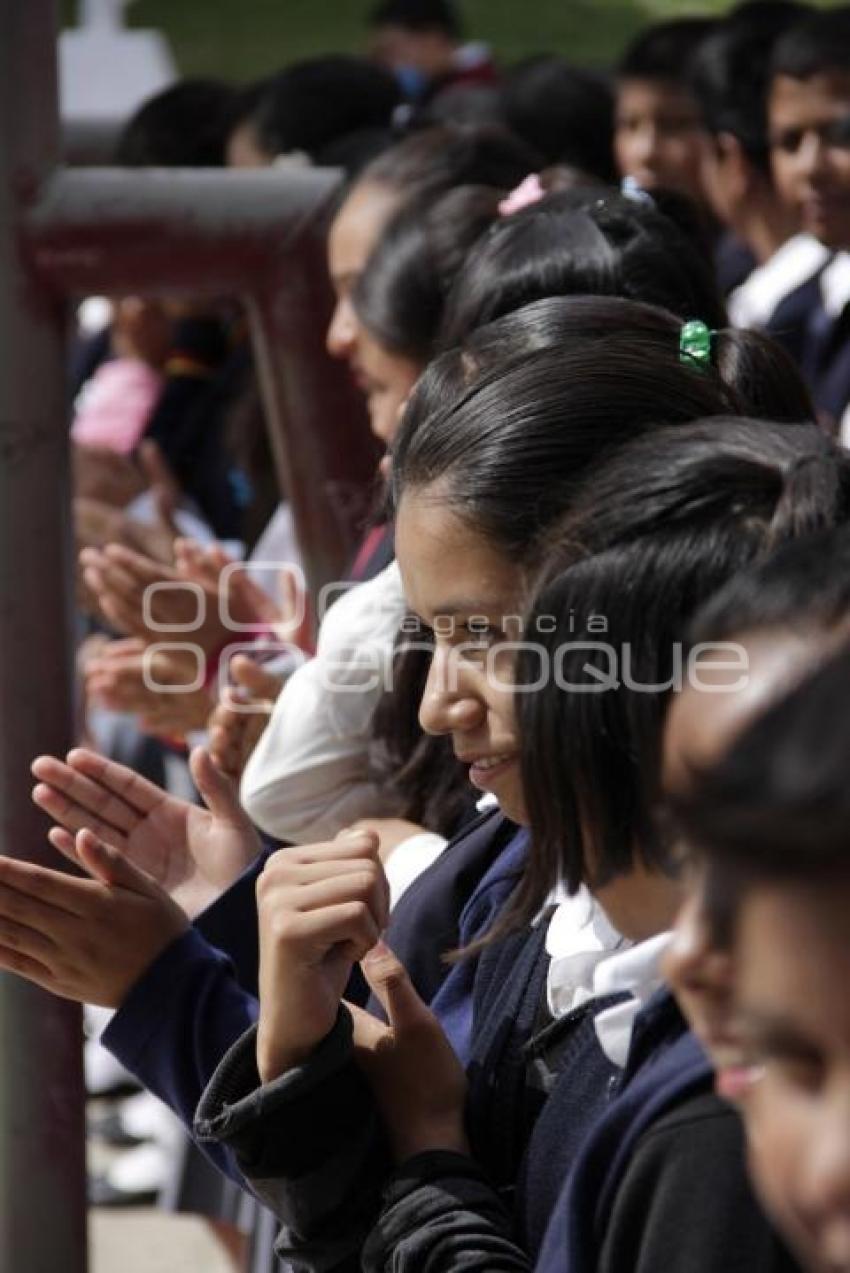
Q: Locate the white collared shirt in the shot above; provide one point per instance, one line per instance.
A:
(835, 285)
(590, 959)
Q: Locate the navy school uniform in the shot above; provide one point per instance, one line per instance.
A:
(200, 995)
(312, 1146)
(658, 1184)
(789, 322)
(827, 363)
(819, 341)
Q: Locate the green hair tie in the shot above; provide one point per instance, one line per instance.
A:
(695, 343)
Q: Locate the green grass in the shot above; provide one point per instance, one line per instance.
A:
(242, 39)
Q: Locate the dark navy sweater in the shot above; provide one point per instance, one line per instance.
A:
(657, 1186)
(200, 995)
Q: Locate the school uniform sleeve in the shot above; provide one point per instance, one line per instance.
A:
(177, 1022)
(310, 1144)
(440, 1213)
(685, 1201)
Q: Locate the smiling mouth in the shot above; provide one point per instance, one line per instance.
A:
(482, 772)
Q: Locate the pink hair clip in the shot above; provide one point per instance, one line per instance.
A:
(526, 193)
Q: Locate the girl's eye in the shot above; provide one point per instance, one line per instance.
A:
(801, 1069)
(804, 1073)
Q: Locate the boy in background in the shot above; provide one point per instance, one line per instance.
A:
(809, 130)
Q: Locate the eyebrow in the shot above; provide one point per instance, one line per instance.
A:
(775, 1032)
(479, 606)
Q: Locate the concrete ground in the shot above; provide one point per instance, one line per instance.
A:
(145, 1240)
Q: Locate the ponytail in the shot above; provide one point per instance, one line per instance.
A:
(763, 376)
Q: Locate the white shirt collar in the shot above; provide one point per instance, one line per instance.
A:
(835, 284)
(636, 971)
(588, 959)
(755, 300)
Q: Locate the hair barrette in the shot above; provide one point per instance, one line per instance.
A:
(529, 191)
(695, 343)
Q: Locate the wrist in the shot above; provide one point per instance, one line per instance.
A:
(276, 1057)
(439, 1137)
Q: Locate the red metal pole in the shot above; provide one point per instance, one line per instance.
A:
(42, 1161)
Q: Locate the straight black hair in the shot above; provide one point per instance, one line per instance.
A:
(184, 126)
(565, 112)
(591, 241)
(509, 452)
(401, 294)
(662, 51)
(653, 533)
(418, 16)
(821, 42)
(803, 587)
(437, 159)
(312, 105)
(776, 806)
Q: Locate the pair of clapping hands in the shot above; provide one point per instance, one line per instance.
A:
(151, 860)
(128, 675)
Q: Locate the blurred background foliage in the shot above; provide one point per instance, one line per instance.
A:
(243, 39)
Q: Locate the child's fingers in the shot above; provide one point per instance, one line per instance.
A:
(217, 790)
(139, 793)
(105, 863)
(64, 843)
(394, 990)
(74, 817)
(79, 789)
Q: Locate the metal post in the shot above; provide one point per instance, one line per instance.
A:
(256, 235)
(42, 1165)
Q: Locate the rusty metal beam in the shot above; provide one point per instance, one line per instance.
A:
(256, 235)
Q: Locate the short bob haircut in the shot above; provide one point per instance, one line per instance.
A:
(652, 535)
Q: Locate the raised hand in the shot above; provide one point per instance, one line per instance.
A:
(120, 579)
(127, 677)
(84, 939)
(103, 474)
(242, 714)
(418, 1116)
(321, 908)
(191, 852)
(242, 597)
